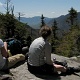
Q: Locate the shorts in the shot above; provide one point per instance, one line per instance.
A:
(5, 67)
(44, 69)
(11, 61)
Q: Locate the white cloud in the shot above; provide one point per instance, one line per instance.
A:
(39, 12)
(1, 4)
(52, 12)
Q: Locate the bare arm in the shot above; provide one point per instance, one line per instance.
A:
(4, 50)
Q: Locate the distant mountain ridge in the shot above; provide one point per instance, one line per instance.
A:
(35, 22)
(61, 21)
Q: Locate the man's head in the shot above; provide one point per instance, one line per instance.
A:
(45, 31)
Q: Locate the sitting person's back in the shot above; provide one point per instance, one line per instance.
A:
(37, 52)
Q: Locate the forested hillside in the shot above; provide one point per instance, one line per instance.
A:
(11, 27)
(63, 42)
(66, 40)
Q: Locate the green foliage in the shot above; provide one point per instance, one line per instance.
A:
(9, 27)
(54, 43)
(72, 16)
(68, 46)
(54, 39)
(20, 30)
(9, 24)
(2, 29)
(54, 29)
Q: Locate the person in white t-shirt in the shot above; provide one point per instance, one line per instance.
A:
(7, 62)
(39, 56)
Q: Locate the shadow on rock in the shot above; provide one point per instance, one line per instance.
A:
(48, 76)
(4, 76)
(18, 64)
(65, 74)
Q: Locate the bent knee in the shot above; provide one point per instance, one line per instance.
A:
(59, 68)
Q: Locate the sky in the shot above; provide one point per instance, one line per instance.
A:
(49, 8)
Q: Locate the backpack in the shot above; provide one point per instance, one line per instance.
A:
(14, 46)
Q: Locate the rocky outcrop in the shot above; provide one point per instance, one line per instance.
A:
(20, 71)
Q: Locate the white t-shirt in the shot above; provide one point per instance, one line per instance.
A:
(39, 52)
(2, 59)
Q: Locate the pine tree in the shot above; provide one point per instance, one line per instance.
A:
(9, 25)
(42, 20)
(54, 38)
(54, 28)
(72, 16)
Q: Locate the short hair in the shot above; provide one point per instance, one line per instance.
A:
(45, 31)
